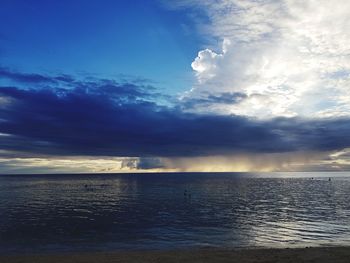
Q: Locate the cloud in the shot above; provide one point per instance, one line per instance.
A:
(102, 125)
(97, 121)
(143, 163)
(6, 73)
(35, 165)
(261, 162)
(252, 162)
(207, 101)
(106, 118)
(291, 54)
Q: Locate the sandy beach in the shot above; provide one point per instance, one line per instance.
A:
(321, 255)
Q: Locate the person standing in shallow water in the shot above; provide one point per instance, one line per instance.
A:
(186, 194)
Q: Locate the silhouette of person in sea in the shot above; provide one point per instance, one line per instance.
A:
(187, 195)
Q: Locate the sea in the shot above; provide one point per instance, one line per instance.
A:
(111, 212)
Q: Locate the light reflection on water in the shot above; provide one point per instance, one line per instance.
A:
(108, 212)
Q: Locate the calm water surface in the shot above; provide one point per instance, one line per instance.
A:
(48, 213)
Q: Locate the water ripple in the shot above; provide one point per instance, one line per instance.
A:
(171, 211)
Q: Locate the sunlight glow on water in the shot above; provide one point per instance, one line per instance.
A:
(109, 212)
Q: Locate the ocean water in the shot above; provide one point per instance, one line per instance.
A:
(53, 213)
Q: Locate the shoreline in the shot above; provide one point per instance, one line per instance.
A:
(210, 255)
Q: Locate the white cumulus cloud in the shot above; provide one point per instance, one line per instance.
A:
(290, 57)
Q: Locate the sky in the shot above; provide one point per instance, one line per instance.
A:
(171, 86)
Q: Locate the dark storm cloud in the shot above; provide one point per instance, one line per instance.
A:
(102, 117)
(142, 163)
(318, 134)
(208, 99)
(24, 77)
(98, 121)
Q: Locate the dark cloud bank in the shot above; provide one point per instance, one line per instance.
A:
(62, 115)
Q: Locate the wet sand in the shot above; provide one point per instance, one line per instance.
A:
(321, 255)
